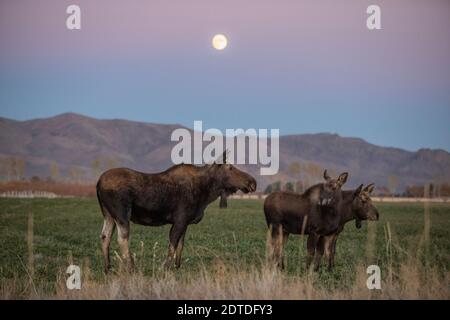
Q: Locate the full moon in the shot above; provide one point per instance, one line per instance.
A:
(219, 42)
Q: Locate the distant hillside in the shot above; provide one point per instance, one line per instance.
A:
(367, 162)
(75, 141)
(81, 147)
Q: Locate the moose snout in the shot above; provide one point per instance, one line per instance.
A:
(250, 185)
(375, 216)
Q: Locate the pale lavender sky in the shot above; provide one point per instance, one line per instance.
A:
(301, 66)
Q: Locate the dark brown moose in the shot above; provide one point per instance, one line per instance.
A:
(288, 212)
(355, 205)
(177, 196)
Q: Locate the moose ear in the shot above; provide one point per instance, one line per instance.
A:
(343, 178)
(326, 176)
(358, 190)
(369, 188)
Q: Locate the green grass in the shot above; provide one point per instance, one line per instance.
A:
(65, 228)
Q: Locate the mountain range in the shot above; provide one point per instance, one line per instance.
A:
(81, 147)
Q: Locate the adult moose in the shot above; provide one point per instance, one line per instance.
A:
(177, 196)
(355, 205)
(288, 212)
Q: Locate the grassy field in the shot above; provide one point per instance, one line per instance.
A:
(224, 255)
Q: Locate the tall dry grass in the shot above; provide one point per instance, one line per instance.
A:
(230, 282)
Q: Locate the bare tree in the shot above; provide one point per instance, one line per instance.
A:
(315, 171)
(96, 164)
(437, 181)
(4, 170)
(54, 171)
(392, 183)
(427, 190)
(295, 169)
(12, 169)
(20, 165)
(74, 174)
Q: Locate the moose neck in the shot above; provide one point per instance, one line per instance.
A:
(313, 192)
(346, 206)
(210, 187)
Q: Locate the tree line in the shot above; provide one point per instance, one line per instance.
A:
(300, 176)
(14, 169)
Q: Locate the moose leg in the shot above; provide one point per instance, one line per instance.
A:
(176, 232)
(277, 245)
(179, 251)
(270, 245)
(123, 234)
(319, 253)
(283, 244)
(311, 245)
(106, 235)
(328, 248)
(333, 251)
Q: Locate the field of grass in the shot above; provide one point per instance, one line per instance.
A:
(224, 255)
